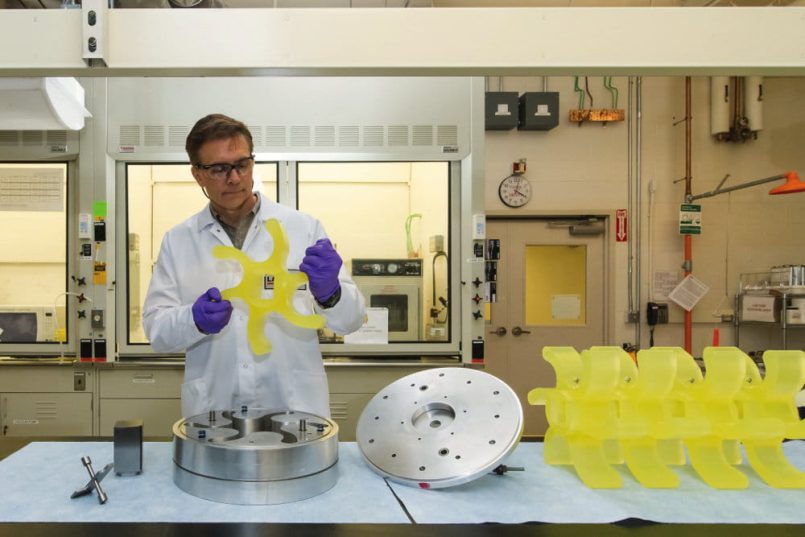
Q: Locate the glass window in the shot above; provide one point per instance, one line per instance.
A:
(389, 222)
(160, 196)
(33, 253)
(555, 285)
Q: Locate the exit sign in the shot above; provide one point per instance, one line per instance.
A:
(621, 226)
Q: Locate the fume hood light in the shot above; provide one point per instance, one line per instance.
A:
(41, 104)
(792, 184)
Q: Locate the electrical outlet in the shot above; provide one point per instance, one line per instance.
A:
(96, 319)
(79, 381)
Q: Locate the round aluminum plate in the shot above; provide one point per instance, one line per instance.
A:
(255, 456)
(441, 427)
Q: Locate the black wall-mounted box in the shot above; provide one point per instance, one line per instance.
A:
(501, 110)
(539, 111)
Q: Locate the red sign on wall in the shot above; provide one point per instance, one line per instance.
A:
(621, 222)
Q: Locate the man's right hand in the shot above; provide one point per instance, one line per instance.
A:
(210, 312)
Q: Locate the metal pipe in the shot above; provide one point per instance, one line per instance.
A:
(688, 264)
(433, 276)
(720, 190)
(630, 212)
(639, 194)
(737, 108)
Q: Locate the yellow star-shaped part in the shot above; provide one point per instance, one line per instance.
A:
(250, 288)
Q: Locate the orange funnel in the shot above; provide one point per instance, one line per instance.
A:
(792, 184)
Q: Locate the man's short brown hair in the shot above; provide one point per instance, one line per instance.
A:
(215, 127)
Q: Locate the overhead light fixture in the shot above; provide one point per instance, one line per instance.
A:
(792, 185)
(53, 103)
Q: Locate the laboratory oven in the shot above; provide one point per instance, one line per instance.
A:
(394, 284)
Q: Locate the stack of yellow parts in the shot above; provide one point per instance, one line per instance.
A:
(250, 288)
(607, 410)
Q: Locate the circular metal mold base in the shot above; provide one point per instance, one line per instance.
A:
(255, 456)
(255, 492)
(441, 427)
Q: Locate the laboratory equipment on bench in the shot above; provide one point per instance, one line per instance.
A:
(27, 324)
(607, 410)
(255, 456)
(128, 446)
(94, 482)
(440, 427)
(394, 284)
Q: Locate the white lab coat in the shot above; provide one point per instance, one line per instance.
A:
(221, 371)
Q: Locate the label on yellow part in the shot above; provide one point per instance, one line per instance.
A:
(99, 273)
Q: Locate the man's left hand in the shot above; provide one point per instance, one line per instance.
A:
(321, 264)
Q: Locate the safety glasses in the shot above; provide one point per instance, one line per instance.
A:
(220, 170)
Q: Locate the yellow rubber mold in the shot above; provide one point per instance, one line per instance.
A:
(250, 288)
(605, 410)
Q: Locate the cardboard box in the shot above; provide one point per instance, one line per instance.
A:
(760, 308)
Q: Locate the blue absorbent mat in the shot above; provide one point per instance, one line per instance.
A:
(555, 494)
(37, 482)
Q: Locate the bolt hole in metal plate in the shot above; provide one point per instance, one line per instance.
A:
(440, 428)
(255, 456)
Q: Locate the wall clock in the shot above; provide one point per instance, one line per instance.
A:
(515, 191)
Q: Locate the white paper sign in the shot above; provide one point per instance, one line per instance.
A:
(31, 189)
(566, 307)
(375, 329)
(688, 292)
(664, 283)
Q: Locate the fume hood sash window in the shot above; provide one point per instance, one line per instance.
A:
(33, 259)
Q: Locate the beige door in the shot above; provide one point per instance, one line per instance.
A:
(549, 291)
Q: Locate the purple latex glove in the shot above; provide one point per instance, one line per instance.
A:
(321, 264)
(210, 312)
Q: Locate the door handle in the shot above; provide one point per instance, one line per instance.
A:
(501, 331)
(516, 331)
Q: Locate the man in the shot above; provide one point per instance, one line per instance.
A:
(184, 310)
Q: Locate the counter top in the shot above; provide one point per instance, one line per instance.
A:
(43, 361)
(40, 477)
(627, 528)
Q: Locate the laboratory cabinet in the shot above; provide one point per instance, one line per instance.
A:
(74, 399)
(153, 394)
(150, 394)
(46, 401)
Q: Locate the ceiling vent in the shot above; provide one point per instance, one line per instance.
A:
(41, 104)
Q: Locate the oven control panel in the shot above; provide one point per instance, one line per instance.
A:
(387, 267)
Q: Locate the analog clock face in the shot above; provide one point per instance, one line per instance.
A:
(515, 191)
